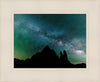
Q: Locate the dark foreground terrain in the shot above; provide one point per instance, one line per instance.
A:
(47, 59)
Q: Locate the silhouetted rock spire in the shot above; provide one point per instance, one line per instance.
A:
(64, 52)
(46, 48)
(61, 54)
(64, 59)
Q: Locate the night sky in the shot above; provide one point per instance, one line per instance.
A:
(32, 32)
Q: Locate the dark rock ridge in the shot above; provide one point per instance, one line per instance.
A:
(47, 59)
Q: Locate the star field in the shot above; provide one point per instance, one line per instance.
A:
(32, 32)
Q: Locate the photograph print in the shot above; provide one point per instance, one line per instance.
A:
(49, 40)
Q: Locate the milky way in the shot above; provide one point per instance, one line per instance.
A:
(32, 32)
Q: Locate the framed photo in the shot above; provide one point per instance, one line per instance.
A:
(49, 41)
